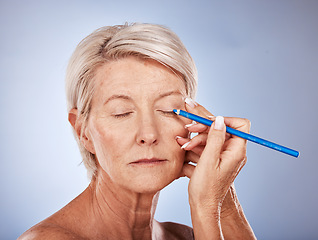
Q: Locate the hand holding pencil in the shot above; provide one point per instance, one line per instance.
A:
(240, 134)
(219, 157)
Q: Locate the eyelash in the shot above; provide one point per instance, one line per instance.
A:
(122, 115)
(170, 113)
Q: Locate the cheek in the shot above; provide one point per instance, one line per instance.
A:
(171, 132)
(109, 143)
(177, 128)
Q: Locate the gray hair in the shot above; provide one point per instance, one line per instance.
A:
(148, 41)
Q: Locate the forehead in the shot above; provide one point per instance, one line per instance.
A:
(137, 76)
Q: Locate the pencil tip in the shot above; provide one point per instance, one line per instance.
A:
(176, 111)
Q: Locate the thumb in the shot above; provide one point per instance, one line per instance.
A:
(215, 142)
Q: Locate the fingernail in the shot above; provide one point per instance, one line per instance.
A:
(219, 123)
(177, 137)
(185, 145)
(190, 102)
(189, 125)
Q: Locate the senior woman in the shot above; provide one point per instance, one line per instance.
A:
(122, 83)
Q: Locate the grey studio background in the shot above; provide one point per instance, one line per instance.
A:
(256, 59)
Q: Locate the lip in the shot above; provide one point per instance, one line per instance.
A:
(149, 161)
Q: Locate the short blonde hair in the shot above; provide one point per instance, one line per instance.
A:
(148, 41)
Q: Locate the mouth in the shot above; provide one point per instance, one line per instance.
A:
(149, 161)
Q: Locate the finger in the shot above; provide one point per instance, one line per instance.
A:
(197, 127)
(236, 147)
(233, 141)
(198, 150)
(195, 108)
(181, 140)
(215, 141)
(198, 140)
(236, 144)
(227, 136)
(187, 170)
(192, 157)
(241, 124)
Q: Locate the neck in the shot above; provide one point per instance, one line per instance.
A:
(120, 213)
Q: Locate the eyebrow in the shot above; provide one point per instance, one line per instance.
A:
(118, 96)
(174, 92)
(128, 98)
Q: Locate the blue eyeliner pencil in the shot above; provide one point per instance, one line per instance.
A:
(239, 133)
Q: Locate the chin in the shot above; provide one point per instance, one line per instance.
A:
(151, 184)
(152, 177)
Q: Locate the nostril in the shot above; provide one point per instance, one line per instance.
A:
(150, 141)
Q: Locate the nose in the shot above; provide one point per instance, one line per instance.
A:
(147, 134)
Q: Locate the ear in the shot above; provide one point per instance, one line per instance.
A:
(76, 123)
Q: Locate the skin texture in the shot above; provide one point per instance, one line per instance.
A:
(133, 134)
(134, 121)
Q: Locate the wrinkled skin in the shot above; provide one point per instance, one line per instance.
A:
(137, 141)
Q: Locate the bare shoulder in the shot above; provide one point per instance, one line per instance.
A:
(47, 231)
(61, 225)
(171, 230)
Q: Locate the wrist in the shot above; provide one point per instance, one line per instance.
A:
(206, 211)
(231, 205)
(231, 210)
(206, 222)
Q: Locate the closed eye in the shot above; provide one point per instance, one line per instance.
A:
(122, 115)
(168, 113)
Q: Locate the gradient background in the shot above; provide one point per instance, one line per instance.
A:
(256, 59)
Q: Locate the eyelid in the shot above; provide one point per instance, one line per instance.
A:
(122, 115)
(165, 110)
(169, 112)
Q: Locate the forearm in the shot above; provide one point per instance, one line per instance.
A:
(206, 224)
(236, 226)
(233, 221)
(209, 224)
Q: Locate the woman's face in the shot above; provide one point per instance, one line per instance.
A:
(132, 127)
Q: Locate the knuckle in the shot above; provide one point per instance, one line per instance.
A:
(240, 155)
(216, 139)
(247, 123)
